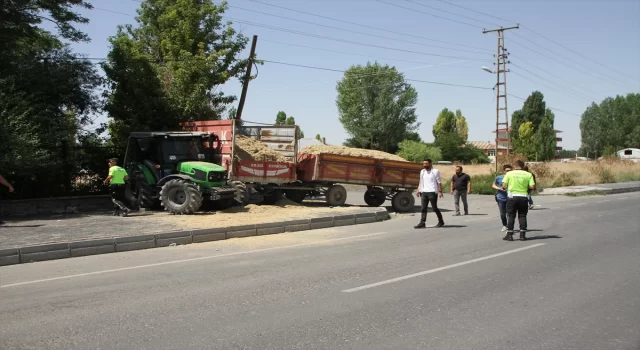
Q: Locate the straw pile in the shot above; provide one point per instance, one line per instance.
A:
(248, 148)
(348, 151)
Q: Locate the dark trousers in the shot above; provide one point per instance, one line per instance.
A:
(519, 206)
(118, 197)
(426, 198)
(502, 205)
(457, 194)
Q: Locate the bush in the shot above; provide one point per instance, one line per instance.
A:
(602, 170)
(564, 180)
(481, 184)
(415, 151)
(541, 170)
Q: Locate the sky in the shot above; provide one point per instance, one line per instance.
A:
(575, 52)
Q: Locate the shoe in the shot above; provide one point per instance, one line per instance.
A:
(420, 225)
(116, 213)
(522, 235)
(440, 224)
(508, 237)
(466, 213)
(531, 206)
(126, 212)
(456, 214)
(504, 229)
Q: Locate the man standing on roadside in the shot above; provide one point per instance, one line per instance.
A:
(518, 182)
(460, 188)
(116, 180)
(429, 184)
(8, 185)
(501, 196)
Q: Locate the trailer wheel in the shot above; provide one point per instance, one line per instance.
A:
(374, 197)
(403, 202)
(336, 196)
(295, 195)
(272, 198)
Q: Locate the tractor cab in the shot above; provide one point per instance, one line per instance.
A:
(180, 160)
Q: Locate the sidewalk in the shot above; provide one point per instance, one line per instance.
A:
(602, 189)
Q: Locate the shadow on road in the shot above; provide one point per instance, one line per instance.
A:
(21, 226)
(533, 238)
(453, 226)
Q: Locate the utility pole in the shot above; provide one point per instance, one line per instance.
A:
(245, 84)
(501, 93)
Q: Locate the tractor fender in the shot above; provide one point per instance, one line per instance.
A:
(166, 179)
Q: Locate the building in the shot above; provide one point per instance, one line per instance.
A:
(503, 140)
(632, 154)
(488, 148)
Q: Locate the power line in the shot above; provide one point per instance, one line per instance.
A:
(325, 37)
(563, 63)
(544, 37)
(361, 55)
(472, 10)
(356, 32)
(349, 41)
(562, 86)
(578, 54)
(426, 13)
(566, 58)
(343, 71)
(548, 85)
(452, 13)
(366, 26)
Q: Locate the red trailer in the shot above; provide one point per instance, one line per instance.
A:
(265, 178)
(385, 179)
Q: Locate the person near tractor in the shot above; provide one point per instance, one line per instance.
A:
(117, 184)
(460, 188)
(429, 189)
(8, 186)
(518, 182)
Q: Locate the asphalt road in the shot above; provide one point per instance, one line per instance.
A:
(379, 286)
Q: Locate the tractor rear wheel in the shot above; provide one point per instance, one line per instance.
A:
(181, 197)
(148, 197)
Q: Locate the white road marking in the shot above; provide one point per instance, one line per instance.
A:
(605, 200)
(418, 274)
(623, 197)
(190, 260)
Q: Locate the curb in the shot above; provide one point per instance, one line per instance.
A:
(594, 191)
(96, 246)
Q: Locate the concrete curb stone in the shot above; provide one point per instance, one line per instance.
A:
(104, 245)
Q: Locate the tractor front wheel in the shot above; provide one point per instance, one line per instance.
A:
(180, 197)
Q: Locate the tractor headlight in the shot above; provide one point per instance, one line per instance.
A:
(215, 176)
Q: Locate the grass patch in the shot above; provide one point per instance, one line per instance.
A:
(627, 176)
(481, 184)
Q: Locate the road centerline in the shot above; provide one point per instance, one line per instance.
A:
(427, 272)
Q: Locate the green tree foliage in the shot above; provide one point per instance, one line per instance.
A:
(613, 123)
(167, 69)
(449, 122)
(461, 125)
(415, 151)
(281, 118)
(376, 107)
(46, 93)
(318, 137)
(526, 140)
(534, 111)
(454, 148)
(445, 123)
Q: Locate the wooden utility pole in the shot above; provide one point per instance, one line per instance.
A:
(501, 68)
(245, 84)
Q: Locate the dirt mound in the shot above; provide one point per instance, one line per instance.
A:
(285, 202)
(251, 149)
(349, 151)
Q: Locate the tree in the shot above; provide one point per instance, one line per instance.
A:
(545, 138)
(454, 148)
(168, 68)
(461, 125)
(46, 93)
(526, 140)
(445, 123)
(534, 111)
(612, 124)
(376, 107)
(281, 118)
(318, 137)
(415, 151)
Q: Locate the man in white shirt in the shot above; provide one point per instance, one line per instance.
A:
(429, 190)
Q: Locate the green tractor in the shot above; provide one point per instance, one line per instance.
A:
(175, 171)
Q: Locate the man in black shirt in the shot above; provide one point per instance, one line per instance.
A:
(460, 187)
